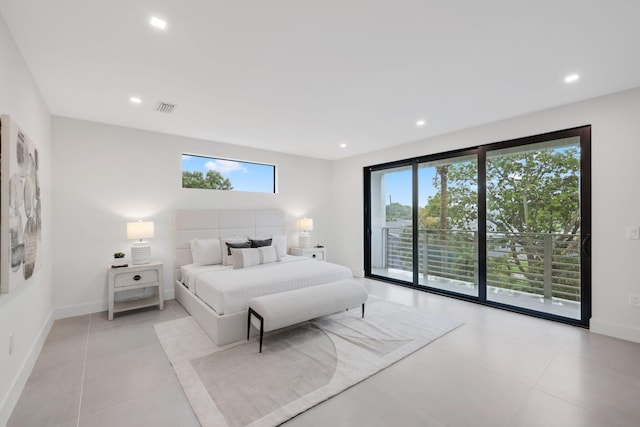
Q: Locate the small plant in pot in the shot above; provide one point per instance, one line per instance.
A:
(118, 259)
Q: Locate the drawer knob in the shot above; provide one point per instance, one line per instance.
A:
(137, 277)
(313, 256)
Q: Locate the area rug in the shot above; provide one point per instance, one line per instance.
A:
(299, 367)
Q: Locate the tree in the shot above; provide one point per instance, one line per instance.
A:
(212, 180)
(529, 195)
(534, 192)
(396, 211)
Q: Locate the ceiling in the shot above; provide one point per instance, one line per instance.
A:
(303, 77)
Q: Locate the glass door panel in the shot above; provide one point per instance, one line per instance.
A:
(533, 227)
(448, 225)
(391, 223)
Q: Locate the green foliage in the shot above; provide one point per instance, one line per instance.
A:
(212, 180)
(396, 211)
(530, 196)
(118, 255)
(534, 192)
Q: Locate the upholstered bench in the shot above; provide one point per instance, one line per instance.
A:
(275, 311)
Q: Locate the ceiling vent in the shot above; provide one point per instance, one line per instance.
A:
(165, 107)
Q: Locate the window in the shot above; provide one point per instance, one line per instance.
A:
(505, 224)
(222, 174)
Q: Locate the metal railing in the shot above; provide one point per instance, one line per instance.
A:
(542, 264)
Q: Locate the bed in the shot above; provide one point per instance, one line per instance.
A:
(214, 292)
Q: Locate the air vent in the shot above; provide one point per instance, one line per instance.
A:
(165, 107)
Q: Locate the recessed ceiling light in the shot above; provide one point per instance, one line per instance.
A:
(135, 100)
(421, 123)
(158, 23)
(571, 78)
(343, 145)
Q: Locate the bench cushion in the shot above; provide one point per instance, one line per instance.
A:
(288, 308)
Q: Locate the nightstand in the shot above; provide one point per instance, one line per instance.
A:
(135, 277)
(319, 254)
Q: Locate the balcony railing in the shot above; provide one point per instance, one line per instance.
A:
(542, 264)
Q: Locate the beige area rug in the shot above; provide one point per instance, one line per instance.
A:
(299, 367)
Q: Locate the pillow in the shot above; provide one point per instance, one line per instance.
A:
(206, 251)
(280, 243)
(227, 256)
(248, 257)
(258, 243)
(243, 258)
(268, 254)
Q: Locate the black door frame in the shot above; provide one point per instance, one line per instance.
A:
(583, 132)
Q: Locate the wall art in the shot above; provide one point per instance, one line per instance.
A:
(20, 207)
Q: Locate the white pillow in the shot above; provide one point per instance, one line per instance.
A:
(280, 243)
(243, 258)
(227, 256)
(206, 251)
(268, 254)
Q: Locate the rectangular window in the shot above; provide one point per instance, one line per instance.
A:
(222, 174)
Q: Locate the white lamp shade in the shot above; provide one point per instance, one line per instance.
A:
(140, 230)
(306, 224)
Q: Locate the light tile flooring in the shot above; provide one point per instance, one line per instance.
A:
(499, 369)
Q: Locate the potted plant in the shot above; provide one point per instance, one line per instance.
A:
(118, 259)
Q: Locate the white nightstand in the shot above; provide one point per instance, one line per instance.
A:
(135, 277)
(319, 254)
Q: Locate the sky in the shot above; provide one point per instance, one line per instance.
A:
(243, 176)
(398, 185)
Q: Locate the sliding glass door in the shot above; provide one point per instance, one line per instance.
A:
(505, 224)
(448, 224)
(533, 227)
(391, 233)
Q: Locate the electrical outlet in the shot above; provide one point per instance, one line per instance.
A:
(634, 300)
(11, 343)
(633, 233)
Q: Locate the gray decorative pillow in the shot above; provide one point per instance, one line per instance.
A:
(258, 243)
(240, 245)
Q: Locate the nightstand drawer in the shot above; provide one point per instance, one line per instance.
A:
(136, 278)
(315, 254)
(319, 254)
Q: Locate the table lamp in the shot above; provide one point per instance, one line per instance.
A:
(305, 225)
(140, 250)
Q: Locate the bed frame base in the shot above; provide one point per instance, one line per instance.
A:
(221, 329)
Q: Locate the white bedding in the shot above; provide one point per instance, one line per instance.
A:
(228, 291)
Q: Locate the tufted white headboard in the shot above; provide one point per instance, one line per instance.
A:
(191, 224)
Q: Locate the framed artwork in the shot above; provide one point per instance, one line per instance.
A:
(20, 207)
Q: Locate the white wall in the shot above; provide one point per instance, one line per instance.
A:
(107, 175)
(615, 172)
(26, 311)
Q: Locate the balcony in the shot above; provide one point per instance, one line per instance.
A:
(536, 271)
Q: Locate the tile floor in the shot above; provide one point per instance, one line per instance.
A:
(499, 369)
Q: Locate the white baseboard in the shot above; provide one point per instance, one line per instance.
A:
(615, 330)
(80, 309)
(25, 370)
(93, 307)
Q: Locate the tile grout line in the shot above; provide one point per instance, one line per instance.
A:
(84, 369)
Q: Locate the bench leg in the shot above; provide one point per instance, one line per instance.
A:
(261, 332)
(251, 311)
(363, 310)
(249, 323)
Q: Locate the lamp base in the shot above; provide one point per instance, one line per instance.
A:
(141, 253)
(304, 240)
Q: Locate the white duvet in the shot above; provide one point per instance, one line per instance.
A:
(228, 291)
